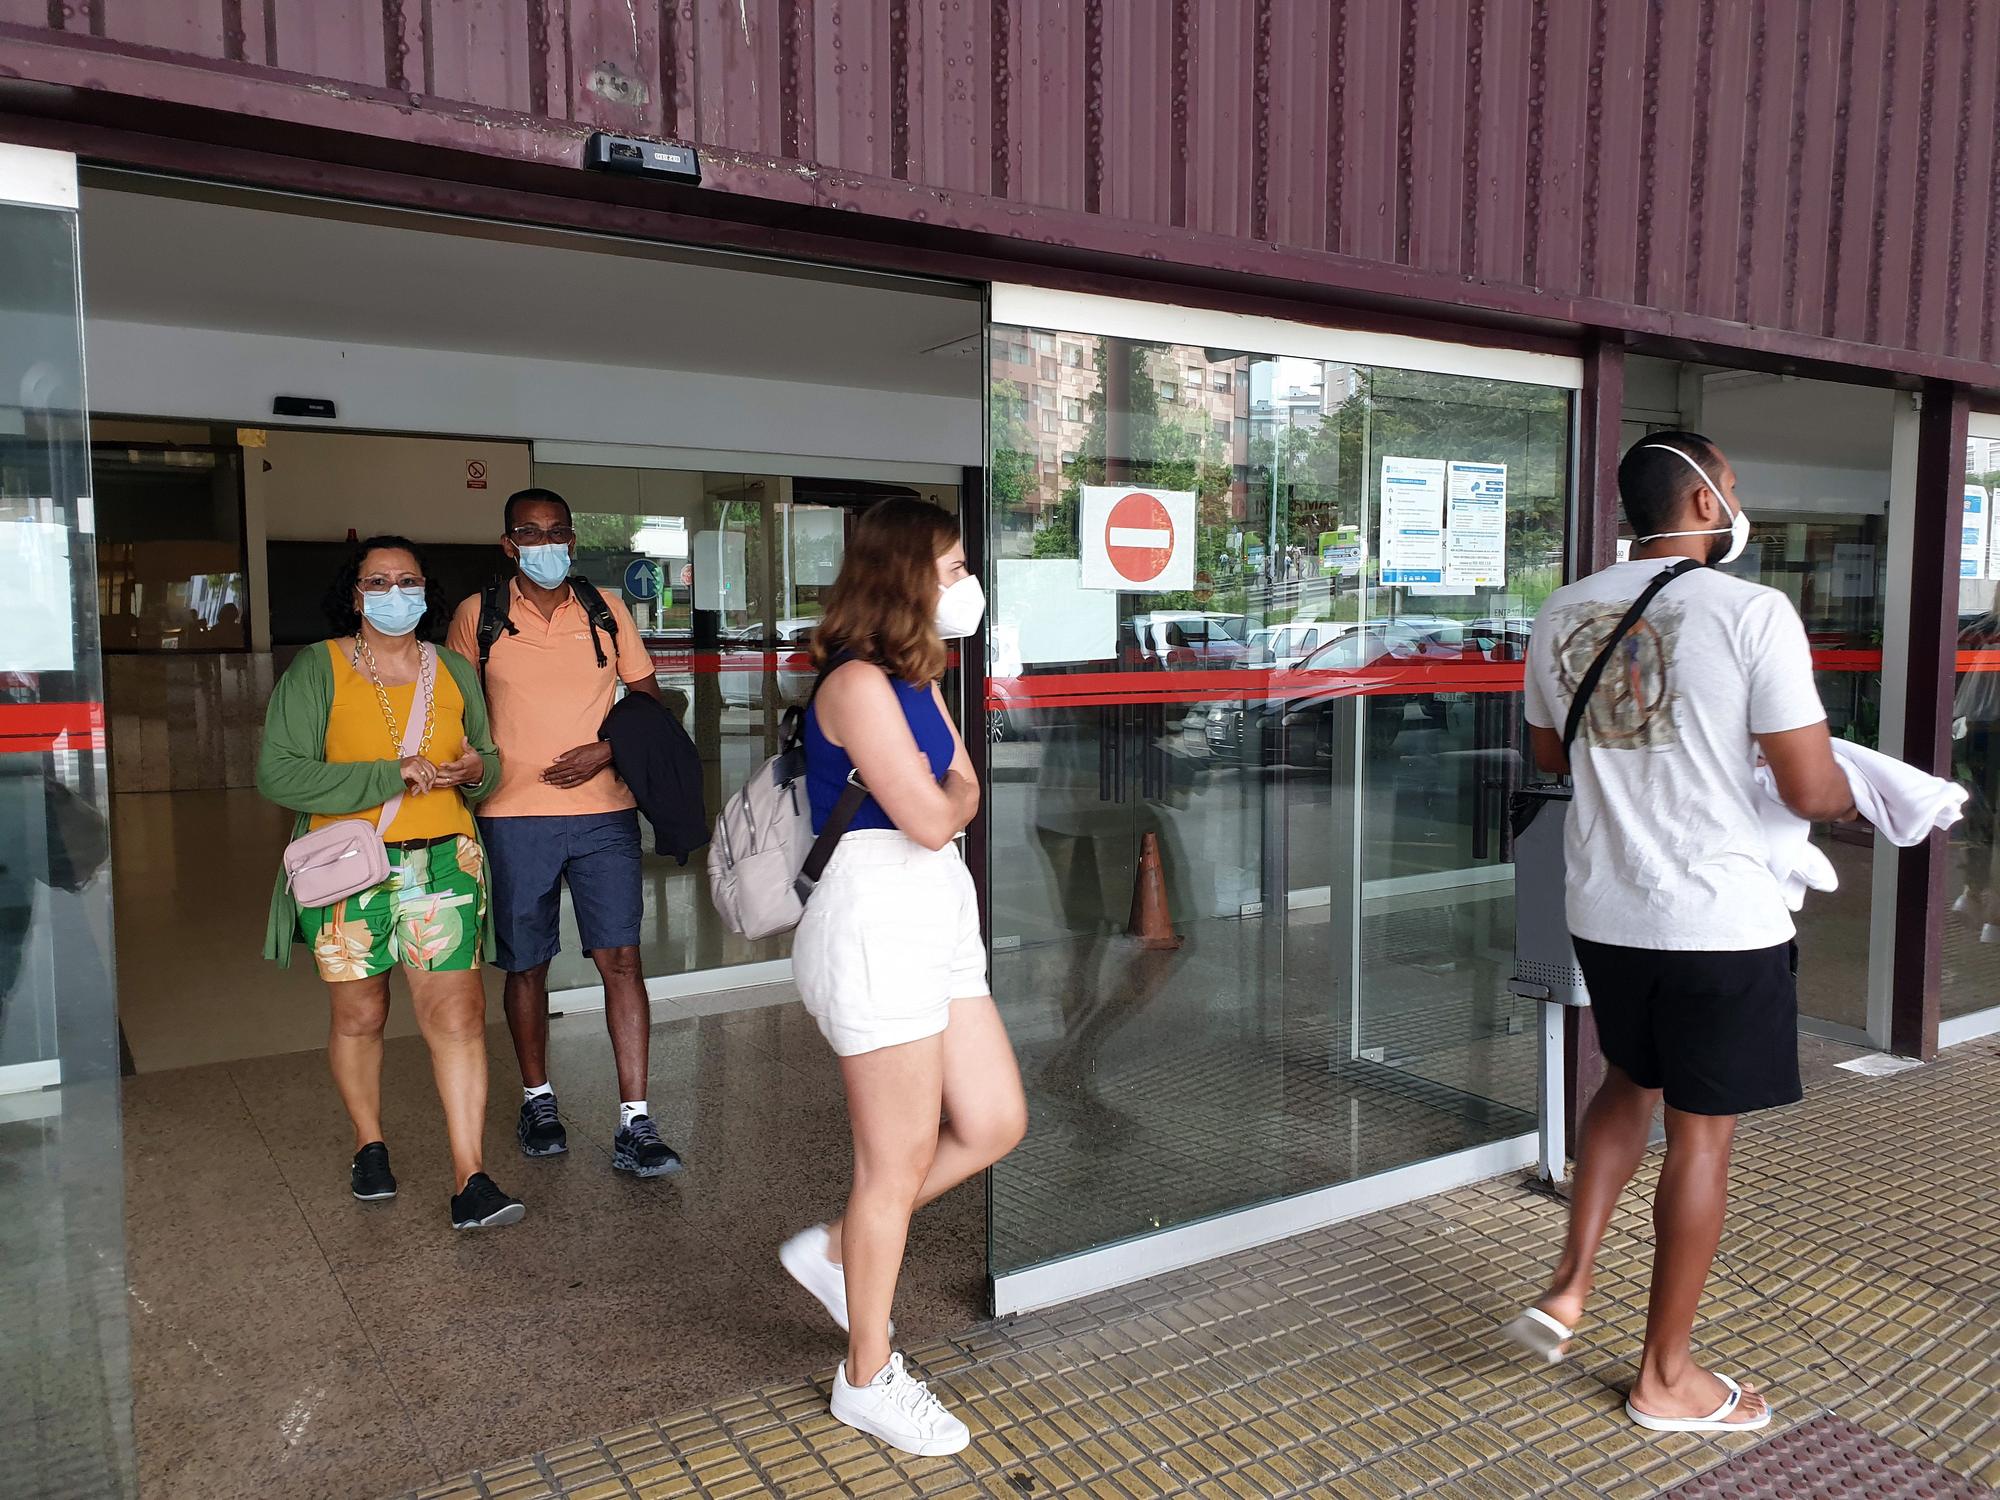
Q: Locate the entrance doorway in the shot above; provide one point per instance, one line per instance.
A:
(715, 422)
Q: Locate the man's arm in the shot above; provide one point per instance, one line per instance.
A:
(1548, 745)
(635, 662)
(1809, 778)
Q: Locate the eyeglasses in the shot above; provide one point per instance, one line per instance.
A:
(534, 536)
(376, 583)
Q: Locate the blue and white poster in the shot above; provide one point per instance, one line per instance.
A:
(1412, 520)
(1475, 538)
(1972, 536)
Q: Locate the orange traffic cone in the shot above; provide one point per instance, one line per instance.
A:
(1152, 924)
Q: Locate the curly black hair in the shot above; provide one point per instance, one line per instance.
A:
(339, 602)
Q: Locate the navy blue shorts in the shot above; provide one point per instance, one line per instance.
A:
(528, 859)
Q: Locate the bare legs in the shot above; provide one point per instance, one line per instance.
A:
(627, 1017)
(1688, 1211)
(451, 1014)
(904, 1158)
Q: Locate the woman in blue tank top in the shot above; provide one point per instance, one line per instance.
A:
(888, 958)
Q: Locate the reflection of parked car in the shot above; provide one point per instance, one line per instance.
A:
(1299, 730)
(1186, 638)
(743, 664)
(1288, 645)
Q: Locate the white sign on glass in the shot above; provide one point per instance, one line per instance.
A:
(720, 581)
(1043, 615)
(1475, 538)
(36, 605)
(1136, 540)
(1413, 520)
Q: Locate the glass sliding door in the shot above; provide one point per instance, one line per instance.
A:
(1969, 1000)
(67, 1428)
(1232, 694)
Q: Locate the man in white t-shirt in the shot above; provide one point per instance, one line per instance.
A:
(1680, 928)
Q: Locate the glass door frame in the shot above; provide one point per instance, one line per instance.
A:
(1014, 306)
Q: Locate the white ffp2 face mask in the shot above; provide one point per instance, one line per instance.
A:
(960, 608)
(1738, 529)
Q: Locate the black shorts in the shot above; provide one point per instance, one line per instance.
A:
(1717, 1033)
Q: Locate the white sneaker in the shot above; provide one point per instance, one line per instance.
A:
(899, 1409)
(1963, 905)
(1990, 933)
(804, 1257)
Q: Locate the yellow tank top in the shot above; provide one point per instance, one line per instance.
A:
(355, 731)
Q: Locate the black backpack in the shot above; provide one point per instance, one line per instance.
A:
(494, 618)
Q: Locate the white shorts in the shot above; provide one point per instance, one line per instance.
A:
(889, 939)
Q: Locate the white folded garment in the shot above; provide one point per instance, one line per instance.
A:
(1905, 806)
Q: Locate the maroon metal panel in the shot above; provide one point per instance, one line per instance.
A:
(1560, 126)
(1368, 177)
(1770, 171)
(1867, 70)
(1434, 58)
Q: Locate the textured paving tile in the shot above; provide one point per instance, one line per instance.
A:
(1859, 1285)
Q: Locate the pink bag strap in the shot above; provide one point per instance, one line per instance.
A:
(413, 731)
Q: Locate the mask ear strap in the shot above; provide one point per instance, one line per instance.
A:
(1707, 484)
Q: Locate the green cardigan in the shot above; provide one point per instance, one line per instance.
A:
(293, 772)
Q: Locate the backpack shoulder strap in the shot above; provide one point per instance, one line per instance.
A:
(1585, 688)
(494, 619)
(597, 612)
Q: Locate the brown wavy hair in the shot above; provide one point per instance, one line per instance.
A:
(883, 607)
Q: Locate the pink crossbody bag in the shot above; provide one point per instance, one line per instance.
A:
(345, 858)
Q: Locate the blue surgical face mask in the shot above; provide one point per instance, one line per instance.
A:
(396, 612)
(547, 565)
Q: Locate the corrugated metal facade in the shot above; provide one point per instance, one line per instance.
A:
(1823, 167)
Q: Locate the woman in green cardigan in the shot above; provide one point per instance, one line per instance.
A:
(333, 741)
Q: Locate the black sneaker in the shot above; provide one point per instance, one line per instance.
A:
(371, 1177)
(540, 1131)
(483, 1206)
(638, 1149)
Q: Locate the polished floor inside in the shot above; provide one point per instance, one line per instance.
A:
(288, 1341)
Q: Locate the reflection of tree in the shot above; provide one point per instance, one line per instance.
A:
(602, 533)
(1162, 452)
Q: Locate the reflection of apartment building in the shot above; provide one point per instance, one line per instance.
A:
(1045, 385)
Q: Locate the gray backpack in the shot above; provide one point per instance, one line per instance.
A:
(764, 861)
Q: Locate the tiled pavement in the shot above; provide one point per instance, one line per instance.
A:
(1860, 1283)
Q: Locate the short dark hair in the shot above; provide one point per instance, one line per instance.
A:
(1654, 484)
(339, 602)
(534, 495)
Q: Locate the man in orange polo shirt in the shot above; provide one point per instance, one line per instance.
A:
(562, 814)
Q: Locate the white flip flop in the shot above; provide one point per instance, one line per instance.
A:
(1539, 1334)
(1715, 1421)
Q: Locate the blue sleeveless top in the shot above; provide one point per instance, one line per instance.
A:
(827, 765)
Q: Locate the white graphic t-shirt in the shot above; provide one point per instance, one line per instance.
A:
(1664, 845)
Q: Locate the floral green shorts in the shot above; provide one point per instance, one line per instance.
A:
(426, 915)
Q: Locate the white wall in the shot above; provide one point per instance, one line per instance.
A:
(313, 486)
(211, 375)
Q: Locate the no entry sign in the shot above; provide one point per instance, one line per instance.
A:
(1138, 540)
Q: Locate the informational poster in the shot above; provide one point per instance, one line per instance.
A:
(1853, 570)
(1475, 537)
(1137, 541)
(1342, 551)
(1972, 541)
(1043, 615)
(1413, 520)
(36, 604)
